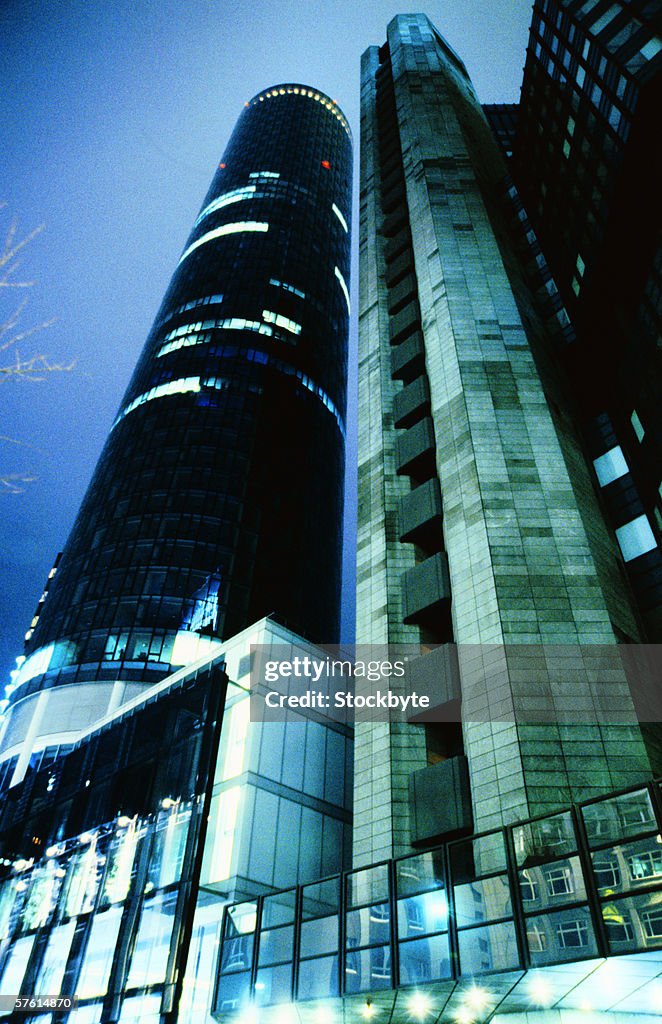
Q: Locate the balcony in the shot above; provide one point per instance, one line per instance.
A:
(420, 516)
(405, 322)
(412, 403)
(408, 358)
(440, 801)
(564, 910)
(415, 451)
(426, 592)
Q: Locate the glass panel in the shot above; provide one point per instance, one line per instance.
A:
(43, 890)
(563, 935)
(233, 991)
(424, 960)
(367, 886)
(477, 857)
(12, 894)
(150, 954)
(482, 901)
(274, 985)
(619, 817)
(493, 948)
(166, 858)
(627, 867)
(52, 968)
(368, 969)
(279, 909)
(320, 936)
(276, 945)
(121, 864)
(320, 899)
(99, 954)
(545, 839)
(423, 914)
(84, 873)
(419, 874)
(141, 1010)
(368, 926)
(633, 923)
(240, 919)
(237, 953)
(318, 978)
(86, 1014)
(12, 975)
(552, 884)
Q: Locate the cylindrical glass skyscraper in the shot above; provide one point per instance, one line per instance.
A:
(218, 496)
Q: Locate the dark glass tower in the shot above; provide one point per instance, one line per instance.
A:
(218, 496)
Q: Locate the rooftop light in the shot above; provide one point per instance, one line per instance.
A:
(477, 999)
(540, 991)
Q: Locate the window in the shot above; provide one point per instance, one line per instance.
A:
(618, 925)
(610, 466)
(225, 229)
(647, 864)
(635, 538)
(559, 881)
(607, 874)
(572, 934)
(652, 922)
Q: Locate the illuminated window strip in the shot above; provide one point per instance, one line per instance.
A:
(171, 387)
(288, 287)
(339, 216)
(225, 229)
(341, 279)
(255, 356)
(281, 321)
(194, 337)
(205, 300)
(235, 196)
(264, 174)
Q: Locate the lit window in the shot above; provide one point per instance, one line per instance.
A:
(171, 387)
(340, 216)
(235, 196)
(264, 174)
(345, 292)
(281, 321)
(637, 425)
(647, 864)
(288, 287)
(580, 266)
(635, 538)
(572, 934)
(228, 810)
(651, 48)
(226, 229)
(610, 466)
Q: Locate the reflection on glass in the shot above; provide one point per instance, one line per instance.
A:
(150, 954)
(318, 978)
(44, 887)
(423, 914)
(168, 847)
(12, 976)
(99, 954)
(493, 948)
(52, 968)
(424, 960)
(82, 880)
(120, 863)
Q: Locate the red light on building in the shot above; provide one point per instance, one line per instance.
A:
(222, 166)
(326, 165)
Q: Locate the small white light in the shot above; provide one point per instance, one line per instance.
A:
(86, 837)
(368, 1010)
(477, 999)
(419, 1006)
(123, 821)
(540, 991)
(463, 1016)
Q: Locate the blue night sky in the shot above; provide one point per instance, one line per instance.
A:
(114, 114)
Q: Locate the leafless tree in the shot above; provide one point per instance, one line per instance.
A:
(15, 365)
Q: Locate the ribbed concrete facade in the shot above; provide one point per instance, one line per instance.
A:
(527, 553)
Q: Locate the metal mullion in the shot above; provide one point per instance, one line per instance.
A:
(256, 946)
(296, 940)
(342, 931)
(595, 906)
(393, 932)
(516, 900)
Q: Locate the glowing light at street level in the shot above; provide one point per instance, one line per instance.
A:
(477, 999)
(540, 991)
(419, 1006)
(368, 1010)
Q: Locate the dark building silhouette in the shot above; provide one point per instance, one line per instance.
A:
(587, 162)
(218, 496)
